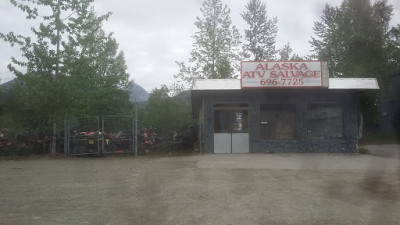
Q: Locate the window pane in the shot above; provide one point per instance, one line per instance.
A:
(222, 120)
(240, 120)
(325, 122)
(228, 121)
(277, 121)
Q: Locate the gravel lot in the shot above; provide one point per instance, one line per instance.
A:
(202, 189)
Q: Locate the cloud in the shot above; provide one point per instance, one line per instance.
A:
(155, 33)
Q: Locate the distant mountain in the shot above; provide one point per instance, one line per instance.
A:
(4, 90)
(138, 94)
(7, 85)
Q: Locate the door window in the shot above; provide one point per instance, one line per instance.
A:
(239, 121)
(222, 121)
(231, 121)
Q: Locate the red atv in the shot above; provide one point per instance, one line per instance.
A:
(149, 140)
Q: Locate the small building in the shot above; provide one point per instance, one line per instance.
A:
(262, 112)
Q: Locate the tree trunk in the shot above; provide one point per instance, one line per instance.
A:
(54, 140)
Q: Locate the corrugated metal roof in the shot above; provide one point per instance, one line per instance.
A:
(334, 83)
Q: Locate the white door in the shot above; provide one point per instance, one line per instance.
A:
(231, 131)
(222, 143)
(240, 142)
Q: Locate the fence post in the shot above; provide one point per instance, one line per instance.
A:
(102, 132)
(66, 136)
(136, 131)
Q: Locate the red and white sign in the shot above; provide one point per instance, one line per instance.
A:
(281, 74)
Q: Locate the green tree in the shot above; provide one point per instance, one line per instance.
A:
(261, 33)
(215, 52)
(393, 48)
(353, 39)
(286, 54)
(71, 64)
(166, 113)
(393, 51)
(103, 87)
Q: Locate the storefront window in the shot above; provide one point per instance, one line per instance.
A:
(277, 121)
(324, 121)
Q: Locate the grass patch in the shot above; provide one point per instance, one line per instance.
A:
(363, 151)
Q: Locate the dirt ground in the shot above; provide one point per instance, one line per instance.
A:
(202, 189)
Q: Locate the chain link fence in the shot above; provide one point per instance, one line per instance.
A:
(100, 135)
(119, 134)
(84, 136)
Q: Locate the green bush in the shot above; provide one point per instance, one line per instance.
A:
(14, 150)
(363, 151)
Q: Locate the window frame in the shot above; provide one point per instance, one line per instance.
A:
(292, 106)
(231, 106)
(321, 104)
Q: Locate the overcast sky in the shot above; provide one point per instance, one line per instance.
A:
(155, 33)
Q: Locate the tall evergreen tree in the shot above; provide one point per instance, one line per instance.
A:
(68, 47)
(286, 54)
(215, 52)
(393, 49)
(352, 38)
(261, 33)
